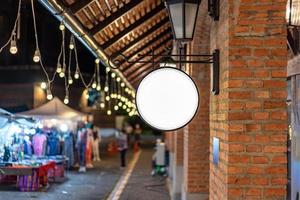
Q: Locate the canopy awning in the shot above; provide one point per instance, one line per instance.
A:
(54, 109)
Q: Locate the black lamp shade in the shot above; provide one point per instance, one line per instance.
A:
(293, 12)
(183, 16)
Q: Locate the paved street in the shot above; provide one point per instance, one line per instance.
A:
(97, 183)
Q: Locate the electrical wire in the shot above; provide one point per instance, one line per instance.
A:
(14, 28)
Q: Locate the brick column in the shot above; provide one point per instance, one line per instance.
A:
(176, 166)
(196, 133)
(249, 116)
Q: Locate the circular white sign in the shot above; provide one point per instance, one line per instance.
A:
(167, 99)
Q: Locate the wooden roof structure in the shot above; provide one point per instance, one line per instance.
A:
(130, 27)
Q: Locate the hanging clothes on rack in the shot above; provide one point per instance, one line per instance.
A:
(39, 142)
(68, 148)
(53, 145)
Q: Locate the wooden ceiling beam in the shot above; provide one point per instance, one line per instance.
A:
(114, 16)
(133, 26)
(143, 36)
(155, 48)
(78, 5)
(147, 44)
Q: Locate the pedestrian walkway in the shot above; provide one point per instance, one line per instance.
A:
(141, 185)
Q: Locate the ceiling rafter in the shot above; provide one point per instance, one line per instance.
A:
(165, 41)
(133, 26)
(142, 36)
(147, 44)
(114, 16)
(78, 5)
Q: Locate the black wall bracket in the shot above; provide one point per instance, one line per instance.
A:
(115, 61)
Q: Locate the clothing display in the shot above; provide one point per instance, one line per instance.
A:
(39, 142)
(53, 147)
(96, 155)
(68, 149)
(81, 146)
(89, 148)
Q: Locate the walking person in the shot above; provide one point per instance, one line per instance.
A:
(122, 147)
(81, 146)
(96, 142)
(137, 135)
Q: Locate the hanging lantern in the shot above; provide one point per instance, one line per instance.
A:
(183, 16)
(293, 12)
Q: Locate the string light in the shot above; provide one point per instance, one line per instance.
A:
(43, 85)
(122, 84)
(106, 88)
(49, 94)
(107, 69)
(113, 75)
(124, 106)
(13, 45)
(76, 75)
(102, 105)
(66, 100)
(58, 68)
(108, 112)
(107, 98)
(71, 45)
(36, 56)
(62, 74)
(70, 80)
(116, 107)
(118, 79)
(87, 96)
(98, 87)
(62, 26)
(94, 85)
(120, 104)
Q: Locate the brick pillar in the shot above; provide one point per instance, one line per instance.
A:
(176, 166)
(249, 116)
(196, 133)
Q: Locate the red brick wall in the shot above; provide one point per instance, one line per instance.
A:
(178, 147)
(196, 134)
(249, 115)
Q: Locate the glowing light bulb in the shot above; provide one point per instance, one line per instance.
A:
(106, 88)
(126, 89)
(70, 81)
(97, 61)
(87, 96)
(107, 98)
(58, 68)
(13, 47)
(43, 85)
(94, 85)
(107, 69)
(124, 106)
(49, 94)
(109, 112)
(120, 104)
(98, 87)
(122, 84)
(123, 99)
(119, 96)
(37, 56)
(128, 110)
(116, 107)
(112, 96)
(66, 100)
(102, 105)
(113, 75)
(62, 26)
(62, 74)
(71, 45)
(76, 75)
(118, 79)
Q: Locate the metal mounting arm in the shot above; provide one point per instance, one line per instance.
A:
(115, 61)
